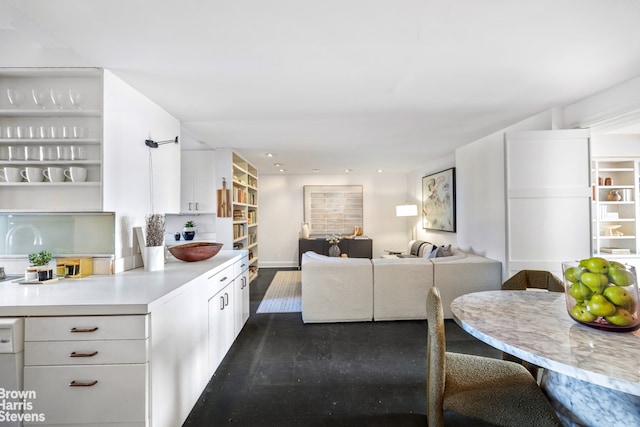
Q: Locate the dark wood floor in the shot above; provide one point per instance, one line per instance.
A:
(281, 372)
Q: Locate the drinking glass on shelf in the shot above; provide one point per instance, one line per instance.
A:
(79, 132)
(56, 98)
(75, 97)
(42, 132)
(15, 152)
(32, 132)
(4, 152)
(20, 132)
(54, 132)
(64, 152)
(38, 98)
(78, 153)
(49, 152)
(9, 132)
(15, 97)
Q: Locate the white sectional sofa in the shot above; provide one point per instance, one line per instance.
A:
(390, 288)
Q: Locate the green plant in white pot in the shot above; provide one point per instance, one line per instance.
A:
(189, 230)
(41, 260)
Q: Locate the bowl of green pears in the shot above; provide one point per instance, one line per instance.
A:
(602, 293)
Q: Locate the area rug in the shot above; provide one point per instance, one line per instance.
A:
(284, 294)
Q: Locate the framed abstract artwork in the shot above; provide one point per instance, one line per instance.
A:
(439, 201)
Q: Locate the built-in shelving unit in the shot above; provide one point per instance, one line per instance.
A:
(62, 130)
(240, 231)
(615, 207)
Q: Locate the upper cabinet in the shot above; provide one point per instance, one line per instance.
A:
(51, 139)
(198, 183)
(615, 212)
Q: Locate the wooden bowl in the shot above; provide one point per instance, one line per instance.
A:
(196, 251)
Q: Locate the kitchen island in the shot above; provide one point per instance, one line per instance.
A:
(132, 349)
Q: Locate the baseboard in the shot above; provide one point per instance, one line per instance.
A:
(278, 264)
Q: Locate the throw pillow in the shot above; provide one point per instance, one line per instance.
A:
(444, 251)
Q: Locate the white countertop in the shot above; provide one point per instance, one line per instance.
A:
(131, 292)
(536, 327)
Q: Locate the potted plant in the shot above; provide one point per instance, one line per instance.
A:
(40, 260)
(189, 230)
(153, 258)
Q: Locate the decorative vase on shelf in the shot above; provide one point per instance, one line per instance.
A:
(305, 230)
(614, 196)
(334, 250)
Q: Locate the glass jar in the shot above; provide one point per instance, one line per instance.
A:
(602, 294)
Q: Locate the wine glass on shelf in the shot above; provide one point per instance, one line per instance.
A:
(56, 98)
(15, 97)
(75, 97)
(38, 98)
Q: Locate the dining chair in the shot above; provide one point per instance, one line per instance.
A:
(480, 390)
(531, 279)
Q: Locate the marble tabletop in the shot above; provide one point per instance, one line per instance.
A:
(535, 326)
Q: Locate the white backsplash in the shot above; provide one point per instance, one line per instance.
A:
(205, 226)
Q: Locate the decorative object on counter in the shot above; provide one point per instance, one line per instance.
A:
(614, 196)
(74, 267)
(176, 236)
(305, 233)
(153, 254)
(602, 294)
(189, 230)
(41, 260)
(196, 251)
(224, 201)
(334, 249)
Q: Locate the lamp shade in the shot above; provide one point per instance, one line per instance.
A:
(407, 210)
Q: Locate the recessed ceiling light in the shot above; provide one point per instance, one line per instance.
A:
(283, 170)
(380, 170)
(269, 154)
(348, 170)
(277, 165)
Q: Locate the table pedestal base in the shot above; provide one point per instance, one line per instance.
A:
(580, 403)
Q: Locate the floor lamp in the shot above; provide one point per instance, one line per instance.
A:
(407, 211)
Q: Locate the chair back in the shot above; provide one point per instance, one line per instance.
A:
(539, 279)
(436, 349)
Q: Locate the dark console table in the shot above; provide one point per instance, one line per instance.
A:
(354, 248)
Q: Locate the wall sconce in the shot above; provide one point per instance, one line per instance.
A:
(153, 144)
(407, 210)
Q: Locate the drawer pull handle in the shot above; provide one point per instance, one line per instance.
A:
(74, 330)
(223, 279)
(75, 354)
(75, 383)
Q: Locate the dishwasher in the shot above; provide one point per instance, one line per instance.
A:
(11, 368)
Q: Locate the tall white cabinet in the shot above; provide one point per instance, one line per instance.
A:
(615, 210)
(240, 230)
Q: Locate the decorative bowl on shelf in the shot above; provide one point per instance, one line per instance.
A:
(196, 251)
(602, 294)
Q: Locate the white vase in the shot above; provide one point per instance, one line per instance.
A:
(305, 230)
(153, 258)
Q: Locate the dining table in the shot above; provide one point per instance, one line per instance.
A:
(591, 376)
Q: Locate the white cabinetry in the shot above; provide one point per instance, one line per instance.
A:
(88, 370)
(241, 293)
(240, 231)
(59, 136)
(615, 210)
(198, 189)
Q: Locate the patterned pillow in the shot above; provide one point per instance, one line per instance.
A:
(443, 251)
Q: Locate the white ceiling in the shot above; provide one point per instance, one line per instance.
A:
(335, 84)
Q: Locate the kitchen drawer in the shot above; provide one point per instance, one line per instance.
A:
(85, 352)
(240, 266)
(111, 394)
(216, 282)
(86, 328)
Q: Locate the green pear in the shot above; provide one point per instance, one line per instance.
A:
(618, 276)
(573, 274)
(620, 318)
(620, 297)
(600, 306)
(594, 281)
(597, 265)
(580, 292)
(581, 314)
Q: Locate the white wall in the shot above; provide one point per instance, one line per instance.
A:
(480, 176)
(129, 119)
(281, 213)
